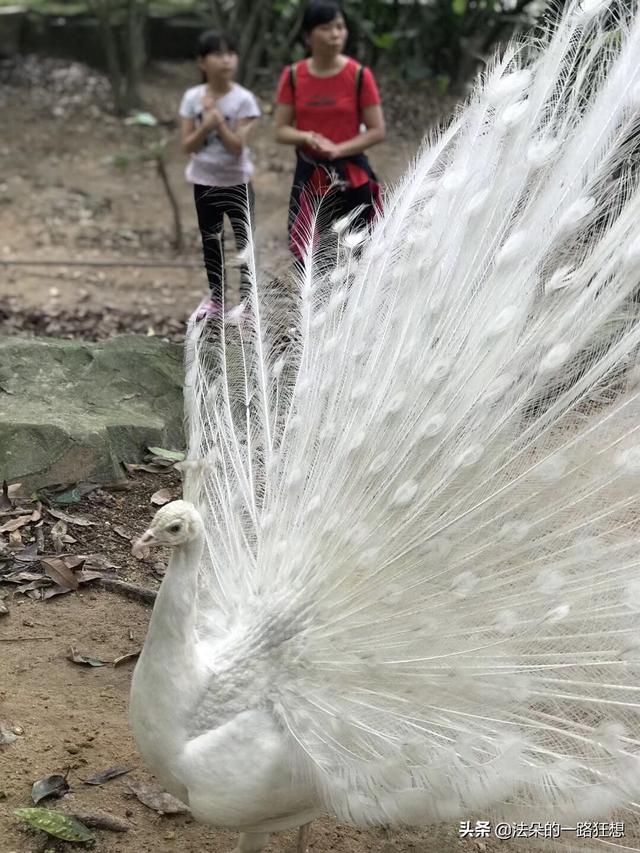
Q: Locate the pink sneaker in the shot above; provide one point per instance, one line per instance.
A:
(208, 310)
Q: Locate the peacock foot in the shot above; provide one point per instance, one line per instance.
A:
(304, 834)
(251, 842)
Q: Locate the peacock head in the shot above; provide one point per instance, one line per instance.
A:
(177, 523)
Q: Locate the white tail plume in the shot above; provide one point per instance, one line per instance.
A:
(419, 472)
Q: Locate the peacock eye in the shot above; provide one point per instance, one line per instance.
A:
(175, 528)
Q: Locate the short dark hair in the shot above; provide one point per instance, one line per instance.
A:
(215, 41)
(319, 12)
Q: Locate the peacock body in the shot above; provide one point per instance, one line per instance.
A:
(406, 585)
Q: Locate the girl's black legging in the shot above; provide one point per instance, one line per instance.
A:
(212, 203)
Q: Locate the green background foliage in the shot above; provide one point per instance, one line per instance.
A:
(408, 40)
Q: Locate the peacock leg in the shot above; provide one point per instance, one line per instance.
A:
(252, 842)
(303, 838)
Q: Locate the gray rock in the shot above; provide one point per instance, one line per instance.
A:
(72, 411)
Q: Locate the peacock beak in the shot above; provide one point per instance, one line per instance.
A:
(140, 548)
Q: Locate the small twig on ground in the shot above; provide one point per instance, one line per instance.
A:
(131, 590)
(22, 639)
(161, 168)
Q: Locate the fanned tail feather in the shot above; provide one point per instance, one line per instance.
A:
(419, 471)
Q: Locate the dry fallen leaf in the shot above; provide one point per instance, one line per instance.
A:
(21, 576)
(132, 467)
(84, 660)
(15, 540)
(106, 775)
(32, 589)
(28, 554)
(78, 520)
(59, 572)
(49, 592)
(7, 735)
(14, 489)
(122, 532)
(15, 523)
(97, 561)
(124, 658)
(155, 798)
(58, 533)
(51, 786)
(86, 576)
(161, 497)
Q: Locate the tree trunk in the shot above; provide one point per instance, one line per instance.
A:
(240, 11)
(217, 15)
(283, 55)
(124, 46)
(252, 45)
(110, 44)
(135, 51)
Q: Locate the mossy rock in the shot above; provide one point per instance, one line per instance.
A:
(72, 411)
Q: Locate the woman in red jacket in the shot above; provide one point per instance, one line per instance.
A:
(322, 102)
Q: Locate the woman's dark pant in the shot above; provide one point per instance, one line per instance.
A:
(334, 205)
(340, 203)
(212, 203)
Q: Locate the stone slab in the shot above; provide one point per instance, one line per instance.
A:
(72, 411)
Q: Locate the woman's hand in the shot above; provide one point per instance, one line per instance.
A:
(287, 133)
(323, 146)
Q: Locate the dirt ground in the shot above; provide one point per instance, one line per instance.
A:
(63, 198)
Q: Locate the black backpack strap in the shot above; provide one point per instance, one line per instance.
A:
(359, 70)
(292, 77)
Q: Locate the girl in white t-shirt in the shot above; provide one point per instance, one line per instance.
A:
(215, 118)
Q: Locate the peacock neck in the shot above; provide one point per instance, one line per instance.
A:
(172, 626)
(166, 679)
